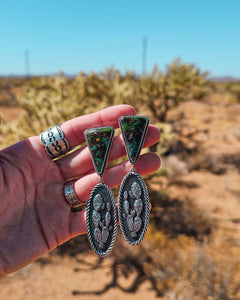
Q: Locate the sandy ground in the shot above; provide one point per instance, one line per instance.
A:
(10, 113)
(213, 126)
(67, 278)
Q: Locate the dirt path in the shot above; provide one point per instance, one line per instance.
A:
(10, 113)
(213, 176)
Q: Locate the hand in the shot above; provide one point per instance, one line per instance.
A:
(34, 215)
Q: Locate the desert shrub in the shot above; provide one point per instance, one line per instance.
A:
(175, 268)
(234, 89)
(49, 101)
(184, 268)
(162, 91)
(205, 161)
(176, 217)
(52, 100)
(109, 87)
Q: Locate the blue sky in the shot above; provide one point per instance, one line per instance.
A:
(77, 35)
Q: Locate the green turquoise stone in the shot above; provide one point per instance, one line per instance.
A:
(134, 129)
(99, 141)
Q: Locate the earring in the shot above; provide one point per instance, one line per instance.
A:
(133, 202)
(101, 214)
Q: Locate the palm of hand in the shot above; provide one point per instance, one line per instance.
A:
(34, 216)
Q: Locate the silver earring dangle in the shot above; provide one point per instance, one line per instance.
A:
(101, 214)
(133, 200)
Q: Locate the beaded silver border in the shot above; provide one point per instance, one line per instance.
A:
(120, 206)
(88, 206)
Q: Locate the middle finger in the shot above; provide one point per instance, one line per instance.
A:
(80, 163)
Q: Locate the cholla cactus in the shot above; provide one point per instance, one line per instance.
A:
(49, 101)
(52, 100)
(163, 91)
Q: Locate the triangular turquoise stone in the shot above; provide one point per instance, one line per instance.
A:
(99, 141)
(134, 129)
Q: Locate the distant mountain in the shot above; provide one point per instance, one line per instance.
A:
(223, 79)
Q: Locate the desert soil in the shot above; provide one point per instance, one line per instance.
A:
(214, 126)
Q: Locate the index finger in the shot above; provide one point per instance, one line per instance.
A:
(74, 129)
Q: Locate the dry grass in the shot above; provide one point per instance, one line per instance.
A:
(188, 269)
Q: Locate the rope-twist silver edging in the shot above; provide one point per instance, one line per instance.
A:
(120, 208)
(113, 206)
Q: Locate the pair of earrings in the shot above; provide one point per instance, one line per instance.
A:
(133, 203)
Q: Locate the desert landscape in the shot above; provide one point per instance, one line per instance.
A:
(192, 247)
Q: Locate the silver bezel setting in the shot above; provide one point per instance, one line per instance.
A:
(108, 148)
(142, 139)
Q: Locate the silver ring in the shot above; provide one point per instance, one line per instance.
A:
(54, 141)
(71, 197)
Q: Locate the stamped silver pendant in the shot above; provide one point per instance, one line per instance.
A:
(133, 208)
(101, 219)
